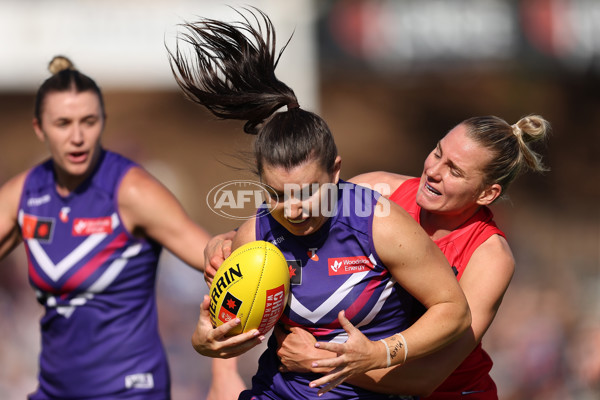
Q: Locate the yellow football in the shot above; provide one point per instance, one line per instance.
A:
(252, 284)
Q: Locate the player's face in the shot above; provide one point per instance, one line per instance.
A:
(71, 125)
(452, 177)
(297, 203)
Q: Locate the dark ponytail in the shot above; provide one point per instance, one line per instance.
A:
(232, 74)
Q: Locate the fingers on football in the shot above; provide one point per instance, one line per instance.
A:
(209, 275)
(226, 248)
(239, 344)
(205, 303)
(222, 330)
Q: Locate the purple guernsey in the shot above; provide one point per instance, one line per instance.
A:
(97, 285)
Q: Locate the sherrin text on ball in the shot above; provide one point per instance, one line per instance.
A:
(252, 284)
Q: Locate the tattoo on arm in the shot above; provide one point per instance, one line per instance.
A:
(395, 347)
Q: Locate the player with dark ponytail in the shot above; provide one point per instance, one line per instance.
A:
(233, 76)
(470, 168)
(363, 249)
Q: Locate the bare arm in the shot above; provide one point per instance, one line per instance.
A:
(484, 283)
(226, 383)
(215, 252)
(10, 194)
(150, 209)
(420, 267)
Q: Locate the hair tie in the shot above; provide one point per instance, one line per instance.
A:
(293, 104)
(516, 130)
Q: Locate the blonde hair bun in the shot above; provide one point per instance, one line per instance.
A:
(60, 63)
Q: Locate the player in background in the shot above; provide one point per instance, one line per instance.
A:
(233, 75)
(470, 168)
(93, 224)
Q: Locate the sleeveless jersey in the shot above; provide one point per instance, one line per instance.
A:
(333, 269)
(96, 282)
(472, 376)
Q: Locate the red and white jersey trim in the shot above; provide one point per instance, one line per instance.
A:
(56, 271)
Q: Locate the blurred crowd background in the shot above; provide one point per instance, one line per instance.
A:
(390, 78)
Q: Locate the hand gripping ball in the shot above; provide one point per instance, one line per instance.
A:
(252, 284)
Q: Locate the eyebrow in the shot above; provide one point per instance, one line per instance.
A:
(451, 163)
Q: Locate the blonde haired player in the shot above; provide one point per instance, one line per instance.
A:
(470, 168)
(93, 224)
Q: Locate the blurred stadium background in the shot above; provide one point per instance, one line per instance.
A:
(390, 77)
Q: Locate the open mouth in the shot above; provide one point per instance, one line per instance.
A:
(78, 156)
(432, 190)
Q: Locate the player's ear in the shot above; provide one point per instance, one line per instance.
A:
(37, 128)
(337, 167)
(489, 194)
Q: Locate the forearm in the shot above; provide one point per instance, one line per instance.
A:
(421, 376)
(223, 367)
(441, 325)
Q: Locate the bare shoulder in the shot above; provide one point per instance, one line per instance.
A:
(10, 191)
(143, 201)
(399, 240)
(136, 183)
(394, 228)
(495, 248)
(384, 182)
(493, 259)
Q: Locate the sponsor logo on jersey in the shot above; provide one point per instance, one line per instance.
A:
(139, 381)
(348, 265)
(63, 215)
(38, 201)
(229, 308)
(89, 226)
(37, 228)
(295, 268)
(278, 240)
(312, 253)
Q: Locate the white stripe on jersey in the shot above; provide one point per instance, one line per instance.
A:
(55, 272)
(114, 269)
(342, 337)
(331, 302)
